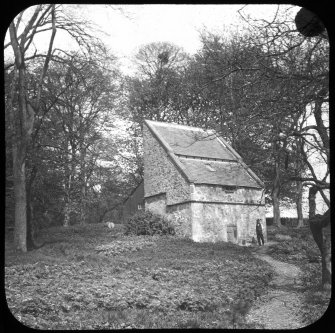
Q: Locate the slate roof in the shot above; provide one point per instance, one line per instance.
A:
(202, 156)
(218, 173)
(192, 141)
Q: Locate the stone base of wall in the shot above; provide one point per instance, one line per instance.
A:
(226, 222)
(211, 222)
(180, 217)
(156, 204)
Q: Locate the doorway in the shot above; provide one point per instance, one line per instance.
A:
(232, 233)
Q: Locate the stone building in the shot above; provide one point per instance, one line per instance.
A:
(200, 183)
(134, 202)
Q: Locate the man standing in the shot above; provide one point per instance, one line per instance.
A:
(259, 232)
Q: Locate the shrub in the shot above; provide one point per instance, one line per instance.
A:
(147, 223)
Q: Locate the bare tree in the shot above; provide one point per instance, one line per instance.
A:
(309, 71)
(22, 114)
(21, 106)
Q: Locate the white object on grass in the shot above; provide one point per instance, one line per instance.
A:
(110, 225)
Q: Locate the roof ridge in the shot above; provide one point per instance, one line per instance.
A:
(187, 127)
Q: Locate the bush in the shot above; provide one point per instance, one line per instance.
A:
(147, 223)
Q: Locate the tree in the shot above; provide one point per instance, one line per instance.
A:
(155, 92)
(21, 115)
(232, 89)
(84, 96)
(23, 107)
(320, 227)
(310, 25)
(155, 59)
(310, 72)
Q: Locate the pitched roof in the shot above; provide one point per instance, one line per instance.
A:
(202, 156)
(192, 141)
(218, 173)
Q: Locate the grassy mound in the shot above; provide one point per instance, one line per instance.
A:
(96, 278)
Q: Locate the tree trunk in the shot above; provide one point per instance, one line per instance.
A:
(20, 230)
(313, 190)
(276, 209)
(66, 222)
(320, 228)
(82, 206)
(68, 181)
(275, 198)
(326, 258)
(19, 172)
(31, 222)
(82, 182)
(22, 116)
(30, 217)
(299, 204)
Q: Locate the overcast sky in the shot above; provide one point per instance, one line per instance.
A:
(178, 24)
(124, 28)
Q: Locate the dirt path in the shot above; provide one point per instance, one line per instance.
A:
(279, 308)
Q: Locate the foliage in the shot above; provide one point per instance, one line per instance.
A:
(57, 102)
(300, 247)
(156, 92)
(125, 244)
(164, 283)
(302, 251)
(148, 223)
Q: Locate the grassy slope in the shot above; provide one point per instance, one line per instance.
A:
(93, 278)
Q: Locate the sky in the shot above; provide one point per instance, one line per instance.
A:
(125, 28)
(174, 23)
(135, 25)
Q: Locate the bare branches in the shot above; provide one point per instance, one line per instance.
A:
(28, 27)
(15, 45)
(48, 57)
(314, 181)
(38, 24)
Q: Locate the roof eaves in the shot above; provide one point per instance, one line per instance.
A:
(133, 191)
(200, 182)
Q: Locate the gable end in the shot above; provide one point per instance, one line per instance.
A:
(169, 151)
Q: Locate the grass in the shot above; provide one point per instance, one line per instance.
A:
(95, 278)
(302, 251)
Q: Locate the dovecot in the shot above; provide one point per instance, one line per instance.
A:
(197, 180)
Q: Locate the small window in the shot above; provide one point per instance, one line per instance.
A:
(139, 207)
(229, 189)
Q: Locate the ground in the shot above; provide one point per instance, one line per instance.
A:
(94, 278)
(294, 298)
(280, 307)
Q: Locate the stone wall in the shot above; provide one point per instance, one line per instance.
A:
(210, 221)
(156, 204)
(227, 194)
(160, 173)
(180, 217)
(221, 206)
